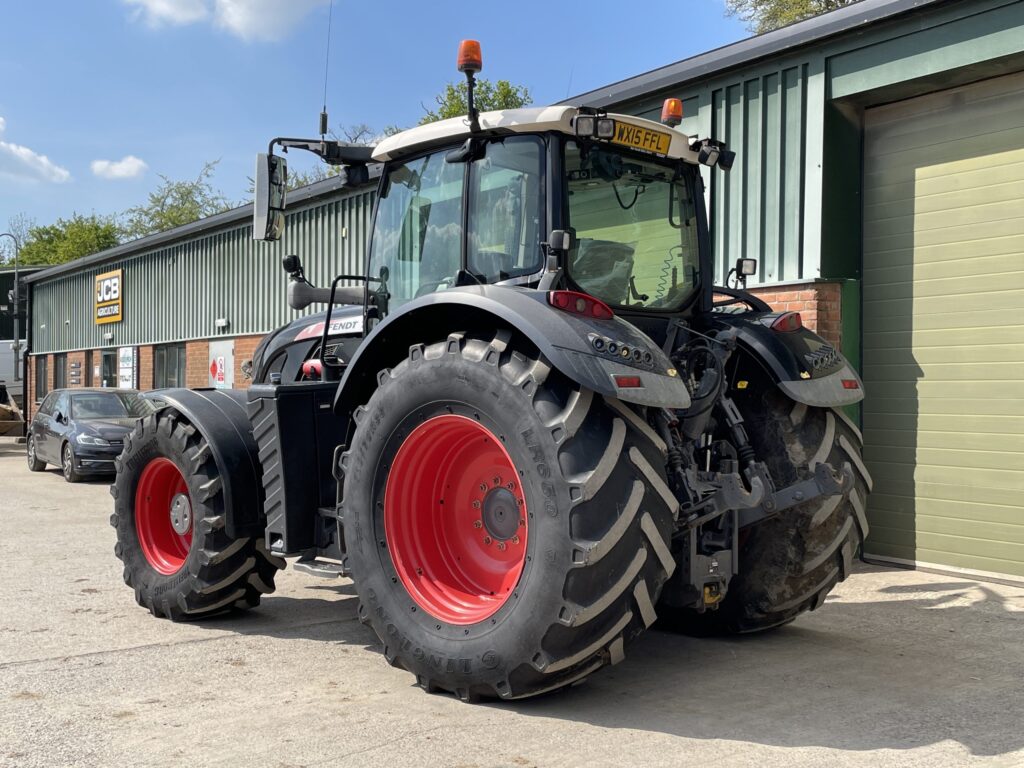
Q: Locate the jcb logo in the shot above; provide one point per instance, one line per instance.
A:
(108, 297)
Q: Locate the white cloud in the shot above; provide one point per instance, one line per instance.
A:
(21, 163)
(263, 20)
(251, 20)
(156, 13)
(128, 167)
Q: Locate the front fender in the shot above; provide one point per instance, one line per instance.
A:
(805, 367)
(565, 339)
(221, 418)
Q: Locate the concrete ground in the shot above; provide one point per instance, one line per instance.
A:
(897, 669)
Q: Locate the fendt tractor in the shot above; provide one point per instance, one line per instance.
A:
(531, 429)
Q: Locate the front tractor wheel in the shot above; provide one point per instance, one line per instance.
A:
(169, 518)
(507, 531)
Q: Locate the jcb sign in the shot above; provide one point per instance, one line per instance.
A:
(109, 297)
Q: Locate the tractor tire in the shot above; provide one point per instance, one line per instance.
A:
(35, 464)
(169, 518)
(507, 530)
(789, 563)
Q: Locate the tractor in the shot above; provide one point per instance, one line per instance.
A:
(530, 430)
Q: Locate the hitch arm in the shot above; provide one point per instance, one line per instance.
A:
(826, 482)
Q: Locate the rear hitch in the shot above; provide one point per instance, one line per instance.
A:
(826, 482)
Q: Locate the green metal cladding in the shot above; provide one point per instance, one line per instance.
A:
(178, 291)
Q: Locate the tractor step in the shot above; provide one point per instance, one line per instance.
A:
(325, 569)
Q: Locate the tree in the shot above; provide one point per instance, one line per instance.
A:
(69, 239)
(765, 15)
(18, 225)
(174, 203)
(452, 101)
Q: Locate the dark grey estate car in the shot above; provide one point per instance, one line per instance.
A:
(82, 430)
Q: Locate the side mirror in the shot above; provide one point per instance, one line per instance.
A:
(561, 240)
(268, 206)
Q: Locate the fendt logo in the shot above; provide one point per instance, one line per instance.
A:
(108, 297)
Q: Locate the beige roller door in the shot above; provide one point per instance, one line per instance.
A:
(944, 327)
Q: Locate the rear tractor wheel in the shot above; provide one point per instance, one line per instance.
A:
(789, 563)
(507, 530)
(169, 518)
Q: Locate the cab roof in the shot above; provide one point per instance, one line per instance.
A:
(511, 121)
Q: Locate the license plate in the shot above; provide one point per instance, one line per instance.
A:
(642, 138)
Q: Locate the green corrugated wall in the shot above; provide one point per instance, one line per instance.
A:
(178, 291)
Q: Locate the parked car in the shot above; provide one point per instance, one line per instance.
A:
(82, 430)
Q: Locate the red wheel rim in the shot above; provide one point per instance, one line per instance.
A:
(455, 519)
(160, 486)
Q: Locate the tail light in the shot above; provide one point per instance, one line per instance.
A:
(628, 382)
(788, 322)
(580, 304)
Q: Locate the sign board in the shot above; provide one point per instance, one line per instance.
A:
(222, 364)
(110, 297)
(126, 368)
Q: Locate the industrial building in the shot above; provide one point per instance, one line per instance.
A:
(879, 182)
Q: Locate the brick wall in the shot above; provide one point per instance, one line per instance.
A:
(49, 373)
(145, 367)
(817, 303)
(245, 346)
(79, 358)
(197, 364)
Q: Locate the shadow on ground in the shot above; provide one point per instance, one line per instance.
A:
(910, 666)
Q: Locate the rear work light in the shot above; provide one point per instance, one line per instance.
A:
(788, 322)
(580, 304)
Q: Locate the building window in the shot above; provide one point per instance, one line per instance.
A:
(60, 371)
(41, 376)
(169, 366)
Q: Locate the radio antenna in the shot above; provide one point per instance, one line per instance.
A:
(327, 63)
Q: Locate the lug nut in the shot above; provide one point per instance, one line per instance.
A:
(501, 546)
(510, 485)
(487, 539)
(515, 539)
(478, 524)
(483, 486)
(476, 504)
(497, 480)
(522, 522)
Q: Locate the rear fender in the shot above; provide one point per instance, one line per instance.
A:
(566, 340)
(805, 367)
(221, 418)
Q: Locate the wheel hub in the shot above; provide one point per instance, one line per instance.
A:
(181, 514)
(500, 514)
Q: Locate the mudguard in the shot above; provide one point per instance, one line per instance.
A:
(806, 368)
(590, 352)
(221, 418)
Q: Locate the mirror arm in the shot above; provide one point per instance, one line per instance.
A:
(331, 152)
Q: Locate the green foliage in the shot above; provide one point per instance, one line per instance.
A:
(175, 203)
(452, 101)
(69, 239)
(765, 15)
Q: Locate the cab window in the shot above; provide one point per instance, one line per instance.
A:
(504, 210)
(417, 237)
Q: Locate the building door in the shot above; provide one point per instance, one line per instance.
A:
(943, 319)
(108, 368)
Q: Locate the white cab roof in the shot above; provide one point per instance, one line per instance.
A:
(531, 120)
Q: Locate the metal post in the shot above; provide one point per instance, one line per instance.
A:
(17, 330)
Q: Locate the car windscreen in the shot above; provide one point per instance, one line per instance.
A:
(108, 405)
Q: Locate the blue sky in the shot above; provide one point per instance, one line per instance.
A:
(97, 98)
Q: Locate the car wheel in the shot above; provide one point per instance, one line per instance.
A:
(35, 464)
(67, 464)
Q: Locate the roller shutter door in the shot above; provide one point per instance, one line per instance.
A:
(943, 322)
